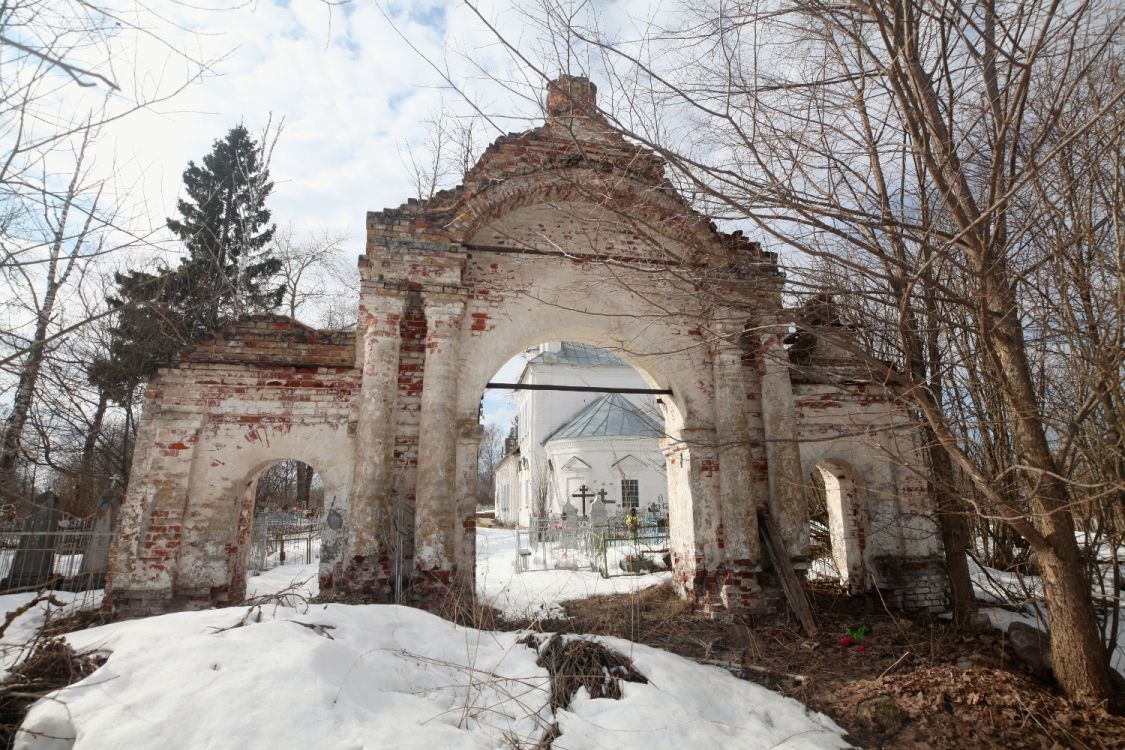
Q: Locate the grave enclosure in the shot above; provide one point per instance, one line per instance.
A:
(567, 232)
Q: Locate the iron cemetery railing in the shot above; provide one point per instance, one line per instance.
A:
(632, 546)
(611, 546)
(283, 539)
(53, 550)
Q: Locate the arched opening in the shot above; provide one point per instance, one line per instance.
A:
(571, 453)
(281, 512)
(837, 525)
(289, 486)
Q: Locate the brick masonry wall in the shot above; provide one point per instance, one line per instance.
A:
(564, 232)
(263, 390)
(857, 429)
(412, 356)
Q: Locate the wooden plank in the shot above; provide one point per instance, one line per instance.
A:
(790, 583)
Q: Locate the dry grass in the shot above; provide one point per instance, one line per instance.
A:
(52, 665)
(575, 663)
(916, 683)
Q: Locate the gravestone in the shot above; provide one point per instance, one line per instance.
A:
(35, 557)
(598, 513)
(567, 537)
(583, 494)
(101, 535)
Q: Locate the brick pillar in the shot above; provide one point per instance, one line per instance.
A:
(436, 522)
(469, 434)
(783, 453)
(370, 536)
(738, 493)
(147, 548)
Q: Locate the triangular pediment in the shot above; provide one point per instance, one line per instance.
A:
(629, 462)
(572, 186)
(575, 464)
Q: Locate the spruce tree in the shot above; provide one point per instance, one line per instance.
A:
(224, 224)
(228, 270)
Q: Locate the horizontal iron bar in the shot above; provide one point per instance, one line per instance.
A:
(577, 388)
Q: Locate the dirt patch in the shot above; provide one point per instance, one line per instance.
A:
(452, 604)
(948, 707)
(575, 663)
(891, 681)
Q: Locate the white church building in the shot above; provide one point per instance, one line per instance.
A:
(580, 447)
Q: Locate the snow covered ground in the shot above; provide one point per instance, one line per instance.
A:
(387, 677)
(395, 677)
(538, 593)
(1000, 587)
(392, 677)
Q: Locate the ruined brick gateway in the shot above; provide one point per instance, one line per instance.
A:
(564, 232)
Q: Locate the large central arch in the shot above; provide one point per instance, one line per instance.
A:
(564, 232)
(569, 232)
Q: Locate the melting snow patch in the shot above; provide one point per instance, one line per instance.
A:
(340, 676)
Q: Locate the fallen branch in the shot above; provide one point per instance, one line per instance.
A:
(579, 662)
(316, 627)
(42, 597)
(739, 670)
(897, 662)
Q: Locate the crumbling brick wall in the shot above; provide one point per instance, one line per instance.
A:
(565, 232)
(262, 390)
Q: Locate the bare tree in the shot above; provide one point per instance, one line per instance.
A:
(488, 457)
(59, 211)
(288, 484)
(58, 245)
(312, 269)
(448, 150)
(916, 144)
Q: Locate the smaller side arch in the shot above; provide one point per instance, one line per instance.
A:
(218, 509)
(248, 538)
(845, 502)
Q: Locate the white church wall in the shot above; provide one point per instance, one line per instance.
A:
(506, 490)
(541, 413)
(602, 463)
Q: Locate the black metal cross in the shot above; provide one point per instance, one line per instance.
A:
(585, 494)
(601, 495)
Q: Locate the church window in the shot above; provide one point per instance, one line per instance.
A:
(630, 494)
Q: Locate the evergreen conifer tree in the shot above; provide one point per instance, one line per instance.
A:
(224, 225)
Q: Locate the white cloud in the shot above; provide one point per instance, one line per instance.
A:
(350, 89)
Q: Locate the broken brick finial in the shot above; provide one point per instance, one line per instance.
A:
(571, 96)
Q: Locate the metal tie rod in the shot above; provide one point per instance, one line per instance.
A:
(575, 388)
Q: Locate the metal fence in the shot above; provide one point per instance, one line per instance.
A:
(632, 547)
(283, 539)
(50, 549)
(557, 543)
(612, 547)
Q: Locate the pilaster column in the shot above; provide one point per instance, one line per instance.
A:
(469, 434)
(435, 502)
(739, 495)
(369, 513)
(149, 548)
(783, 453)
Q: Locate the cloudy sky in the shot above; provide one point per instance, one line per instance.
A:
(352, 83)
(347, 85)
